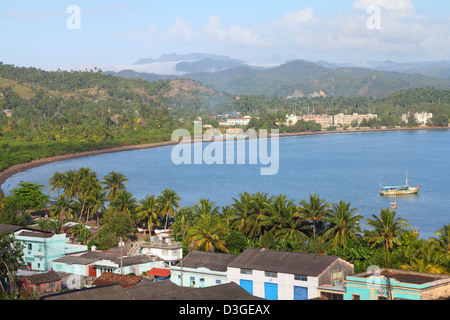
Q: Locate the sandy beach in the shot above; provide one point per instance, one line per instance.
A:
(6, 174)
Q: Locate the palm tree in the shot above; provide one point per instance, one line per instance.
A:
(168, 203)
(387, 229)
(98, 198)
(124, 203)
(259, 217)
(70, 184)
(147, 212)
(62, 208)
(314, 210)
(289, 226)
(241, 211)
(442, 238)
(344, 224)
(205, 207)
(56, 182)
(209, 230)
(114, 182)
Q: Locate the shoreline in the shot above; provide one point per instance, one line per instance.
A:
(11, 171)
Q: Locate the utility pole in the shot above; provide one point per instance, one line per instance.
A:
(121, 257)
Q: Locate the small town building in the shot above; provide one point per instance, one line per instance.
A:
(202, 269)
(41, 247)
(393, 284)
(40, 284)
(95, 263)
(164, 247)
(279, 275)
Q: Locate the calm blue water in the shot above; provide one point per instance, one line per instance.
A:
(347, 166)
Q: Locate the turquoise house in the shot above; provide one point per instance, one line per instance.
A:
(392, 284)
(41, 248)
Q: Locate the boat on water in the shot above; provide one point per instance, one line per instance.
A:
(399, 190)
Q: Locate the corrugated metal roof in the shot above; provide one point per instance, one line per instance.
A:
(46, 277)
(211, 260)
(284, 262)
(112, 292)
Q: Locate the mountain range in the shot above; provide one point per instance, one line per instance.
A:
(297, 78)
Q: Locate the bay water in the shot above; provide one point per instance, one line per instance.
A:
(345, 166)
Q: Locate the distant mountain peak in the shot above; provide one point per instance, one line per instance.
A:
(175, 57)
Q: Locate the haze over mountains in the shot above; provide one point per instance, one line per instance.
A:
(295, 78)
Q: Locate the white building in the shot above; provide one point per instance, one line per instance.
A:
(279, 275)
(163, 246)
(239, 121)
(202, 269)
(421, 118)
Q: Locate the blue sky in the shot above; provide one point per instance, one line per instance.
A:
(114, 34)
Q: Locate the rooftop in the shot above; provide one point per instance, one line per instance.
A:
(210, 260)
(405, 276)
(125, 281)
(281, 261)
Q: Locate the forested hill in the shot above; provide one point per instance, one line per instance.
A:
(301, 78)
(61, 112)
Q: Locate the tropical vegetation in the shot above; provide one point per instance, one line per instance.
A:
(251, 220)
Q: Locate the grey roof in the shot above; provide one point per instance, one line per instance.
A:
(109, 292)
(7, 228)
(167, 290)
(138, 259)
(35, 234)
(75, 260)
(47, 277)
(284, 262)
(211, 260)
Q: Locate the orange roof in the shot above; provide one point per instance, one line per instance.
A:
(158, 272)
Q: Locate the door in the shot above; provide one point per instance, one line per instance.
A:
(300, 293)
(247, 285)
(270, 291)
(92, 271)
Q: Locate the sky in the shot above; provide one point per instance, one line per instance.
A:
(111, 35)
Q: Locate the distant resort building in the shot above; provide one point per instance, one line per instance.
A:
(239, 121)
(421, 118)
(327, 121)
(344, 120)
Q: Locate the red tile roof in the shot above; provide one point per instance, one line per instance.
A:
(158, 272)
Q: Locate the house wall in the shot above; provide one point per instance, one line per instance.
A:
(209, 277)
(40, 252)
(286, 283)
(338, 270)
(165, 254)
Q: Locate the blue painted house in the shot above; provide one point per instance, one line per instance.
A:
(393, 284)
(41, 247)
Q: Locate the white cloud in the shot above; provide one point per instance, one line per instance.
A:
(232, 34)
(300, 16)
(180, 30)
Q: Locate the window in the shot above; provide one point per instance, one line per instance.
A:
(246, 271)
(218, 281)
(300, 277)
(270, 274)
(30, 246)
(356, 297)
(192, 281)
(332, 296)
(381, 298)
